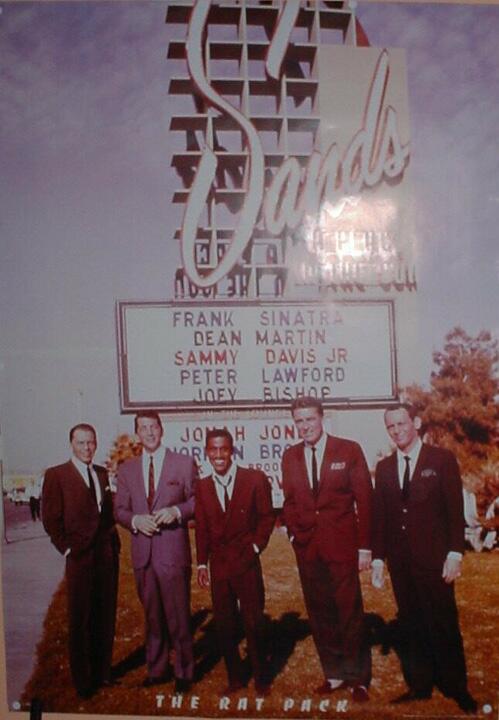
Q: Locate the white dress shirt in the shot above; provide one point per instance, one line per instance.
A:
(83, 469)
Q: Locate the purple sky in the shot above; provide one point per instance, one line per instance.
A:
(85, 213)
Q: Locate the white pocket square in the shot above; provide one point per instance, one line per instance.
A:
(338, 466)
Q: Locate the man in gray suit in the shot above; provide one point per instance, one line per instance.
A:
(155, 500)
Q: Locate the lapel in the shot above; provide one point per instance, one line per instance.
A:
(392, 479)
(80, 485)
(302, 469)
(327, 459)
(238, 492)
(213, 498)
(162, 480)
(419, 484)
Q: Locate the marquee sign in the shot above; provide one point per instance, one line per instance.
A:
(176, 357)
(294, 165)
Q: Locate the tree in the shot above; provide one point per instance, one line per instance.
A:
(460, 411)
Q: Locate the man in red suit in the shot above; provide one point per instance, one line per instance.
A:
(327, 511)
(419, 529)
(155, 500)
(234, 520)
(77, 513)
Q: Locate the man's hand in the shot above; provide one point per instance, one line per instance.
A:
(203, 577)
(378, 575)
(452, 569)
(166, 516)
(145, 524)
(364, 560)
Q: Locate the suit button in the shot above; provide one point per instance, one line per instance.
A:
(404, 510)
(316, 512)
(403, 527)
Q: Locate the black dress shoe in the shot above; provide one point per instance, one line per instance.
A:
(466, 702)
(326, 689)
(182, 685)
(152, 681)
(410, 696)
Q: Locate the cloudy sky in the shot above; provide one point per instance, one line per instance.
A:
(85, 195)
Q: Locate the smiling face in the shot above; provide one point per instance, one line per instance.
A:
(84, 445)
(150, 433)
(401, 428)
(219, 452)
(308, 422)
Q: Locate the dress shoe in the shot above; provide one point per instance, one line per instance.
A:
(262, 689)
(466, 702)
(410, 696)
(85, 692)
(182, 685)
(326, 688)
(359, 693)
(152, 681)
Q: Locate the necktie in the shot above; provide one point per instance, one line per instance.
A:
(91, 485)
(150, 484)
(407, 478)
(226, 492)
(315, 480)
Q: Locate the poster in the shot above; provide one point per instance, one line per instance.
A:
(122, 189)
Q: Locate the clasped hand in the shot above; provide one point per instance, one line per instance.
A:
(150, 524)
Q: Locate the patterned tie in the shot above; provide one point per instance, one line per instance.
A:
(150, 486)
(315, 480)
(407, 480)
(91, 486)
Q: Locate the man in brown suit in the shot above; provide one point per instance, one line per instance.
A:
(234, 520)
(327, 511)
(77, 513)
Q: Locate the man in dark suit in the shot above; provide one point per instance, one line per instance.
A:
(327, 511)
(234, 520)
(419, 529)
(77, 513)
(155, 501)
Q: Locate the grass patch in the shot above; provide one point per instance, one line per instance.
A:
(293, 656)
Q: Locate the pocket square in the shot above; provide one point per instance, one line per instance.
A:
(428, 472)
(338, 466)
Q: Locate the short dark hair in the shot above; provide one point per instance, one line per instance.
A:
(307, 401)
(411, 410)
(151, 414)
(82, 426)
(219, 432)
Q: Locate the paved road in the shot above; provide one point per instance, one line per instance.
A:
(31, 572)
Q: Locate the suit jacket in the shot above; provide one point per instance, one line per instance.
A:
(339, 519)
(170, 546)
(69, 513)
(227, 539)
(434, 517)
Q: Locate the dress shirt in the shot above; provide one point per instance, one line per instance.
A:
(413, 455)
(225, 481)
(83, 469)
(158, 457)
(320, 447)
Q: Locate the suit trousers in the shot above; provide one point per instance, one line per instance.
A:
(165, 593)
(246, 589)
(92, 585)
(432, 647)
(334, 605)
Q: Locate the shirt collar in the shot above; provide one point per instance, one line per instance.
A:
(320, 444)
(156, 455)
(413, 452)
(81, 466)
(228, 478)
